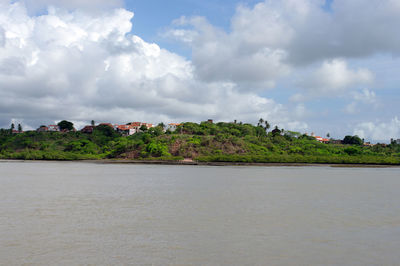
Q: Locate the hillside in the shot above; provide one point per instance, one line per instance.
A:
(205, 142)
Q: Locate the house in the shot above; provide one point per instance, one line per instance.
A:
(126, 130)
(149, 125)
(87, 129)
(42, 129)
(335, 141)
(173, 126)
(53, 128)
(320, 139)
(137, 125)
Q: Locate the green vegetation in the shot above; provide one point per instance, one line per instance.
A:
(65, 125)
(204, 142)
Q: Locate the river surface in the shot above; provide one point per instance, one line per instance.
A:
(100, 214)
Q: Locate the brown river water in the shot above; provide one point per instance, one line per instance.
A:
(68, 213)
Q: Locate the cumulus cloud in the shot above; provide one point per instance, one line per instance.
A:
(82, 66)
(219, 56)
(365, 98)
(73, 63)
(352, 29)
(335, 77)
(381, 131)
(268, 40)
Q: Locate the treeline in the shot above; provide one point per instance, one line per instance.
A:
(205, 142)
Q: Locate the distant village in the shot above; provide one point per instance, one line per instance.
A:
(124, 129)
(136, 127)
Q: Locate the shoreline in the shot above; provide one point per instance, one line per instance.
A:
(195, 163)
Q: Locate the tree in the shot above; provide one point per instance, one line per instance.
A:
(105, 130)
(156, 131)
(260, 122)
(66, 125)
(143, 128)
(276, 131)
(355, 140)
(328, 135)
(93, 123)
(12, 128)
(19, 128)
(162, 125)
(267, 126)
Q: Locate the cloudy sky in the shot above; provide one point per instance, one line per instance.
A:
(305, 65)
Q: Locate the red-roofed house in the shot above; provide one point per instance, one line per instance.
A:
(87, 129)
(173, 126)
(136, 125)
(126, 130)
(321, 139)
(42, 129)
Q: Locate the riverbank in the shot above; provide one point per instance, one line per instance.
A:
(195, 163)
(122, 161)
(205, 144)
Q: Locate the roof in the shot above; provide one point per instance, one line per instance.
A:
(321, 139)
(88, 127)
(174, 124)
(124, 127)
(106, 124)
(135, 124)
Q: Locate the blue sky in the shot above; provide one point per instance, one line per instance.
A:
(305, 65)
(150, 22)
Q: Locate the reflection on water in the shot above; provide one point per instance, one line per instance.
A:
(81, 214)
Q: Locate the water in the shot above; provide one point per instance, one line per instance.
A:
(96, 214)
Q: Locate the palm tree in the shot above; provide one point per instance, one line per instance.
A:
(162, 125)
(19, 128)
(260, 122)
(267, 126)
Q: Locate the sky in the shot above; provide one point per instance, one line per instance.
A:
(304, 65)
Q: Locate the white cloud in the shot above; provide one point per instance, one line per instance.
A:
(334, 77)
(269, 40)
(82, 66)
(381, 131)
(81, 63)
(219, 56)
(364, 98)
(2, 37)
